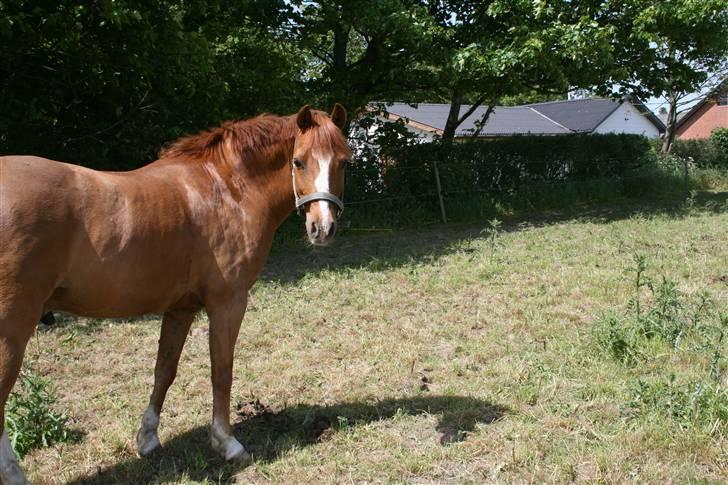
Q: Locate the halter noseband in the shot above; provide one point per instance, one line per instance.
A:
(302, 201)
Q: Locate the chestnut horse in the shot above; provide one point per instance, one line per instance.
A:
(189, 231)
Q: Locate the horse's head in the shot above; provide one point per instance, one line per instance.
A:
(320, 155)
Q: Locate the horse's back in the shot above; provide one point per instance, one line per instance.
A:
(88, 242)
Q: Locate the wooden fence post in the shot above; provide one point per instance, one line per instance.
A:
(439, 192)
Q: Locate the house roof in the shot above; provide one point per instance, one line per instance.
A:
(551, 118)
(710, 95)
(578, 115)
(504, 120)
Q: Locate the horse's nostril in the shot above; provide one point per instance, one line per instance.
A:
(314, 229)
(331, 229)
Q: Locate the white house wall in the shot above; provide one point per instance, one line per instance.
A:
(627, 119)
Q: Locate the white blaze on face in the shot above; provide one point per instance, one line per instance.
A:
(322, 185)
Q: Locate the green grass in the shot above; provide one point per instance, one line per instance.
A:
(444, 354)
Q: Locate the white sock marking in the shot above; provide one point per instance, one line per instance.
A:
(147, 437)
(226, 444)
(10, 471)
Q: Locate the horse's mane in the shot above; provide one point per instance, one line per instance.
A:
(253, 135)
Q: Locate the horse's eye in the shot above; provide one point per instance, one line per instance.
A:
(345, 161)
(298, 163)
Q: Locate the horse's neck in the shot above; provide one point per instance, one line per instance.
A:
(261, 184)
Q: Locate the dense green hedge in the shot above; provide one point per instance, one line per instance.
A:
(706, 153)
(499, 165)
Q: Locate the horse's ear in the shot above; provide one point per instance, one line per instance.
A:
(304, 118)
(338, 115)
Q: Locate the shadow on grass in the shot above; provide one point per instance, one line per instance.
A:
(86, 326)
(270, 434)
(387, 248)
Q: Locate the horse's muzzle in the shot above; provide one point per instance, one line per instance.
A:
(320, 233)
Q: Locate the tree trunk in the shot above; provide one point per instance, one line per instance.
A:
(454, 116)
(671, 124)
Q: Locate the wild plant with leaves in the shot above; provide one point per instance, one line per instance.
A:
(32, 420)
(662, 325)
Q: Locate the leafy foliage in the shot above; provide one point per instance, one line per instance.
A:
(30, 418)
(666, 49)
(705, 153)
(508, 163)
(719, 138)
(692, 327)
(498, 49)
(107, 83)
(364, 50)
(694, 403)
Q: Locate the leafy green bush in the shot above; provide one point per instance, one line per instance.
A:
(704, 153)
(665, 314)
(30, 418)
(395, 165)
(719, 138)
(509, 163)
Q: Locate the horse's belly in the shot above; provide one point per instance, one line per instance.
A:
(105, 292)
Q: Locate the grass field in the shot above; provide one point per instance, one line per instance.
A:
(445, 354)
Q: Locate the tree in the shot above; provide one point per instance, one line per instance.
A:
(503, 49)
(106, 83)
(669, 50)
(363, 50)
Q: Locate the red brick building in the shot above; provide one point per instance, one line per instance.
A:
(710, 113)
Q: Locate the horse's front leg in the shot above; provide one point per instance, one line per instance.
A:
(225, 319)
(175, 326)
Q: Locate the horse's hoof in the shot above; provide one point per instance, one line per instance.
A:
(147, 442)
(242, 459)
(231, 450)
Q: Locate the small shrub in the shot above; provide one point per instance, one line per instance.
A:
(694, 403)
(719, 137)
(666, 314)
(617, 339)
(705, 153)
(30, 418)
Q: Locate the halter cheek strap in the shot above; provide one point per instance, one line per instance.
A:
(328, 196)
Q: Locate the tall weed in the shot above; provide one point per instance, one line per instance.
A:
(31, 419)
(662, 326)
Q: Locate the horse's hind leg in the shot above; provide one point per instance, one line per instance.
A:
(175, 326)
(14, 336)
